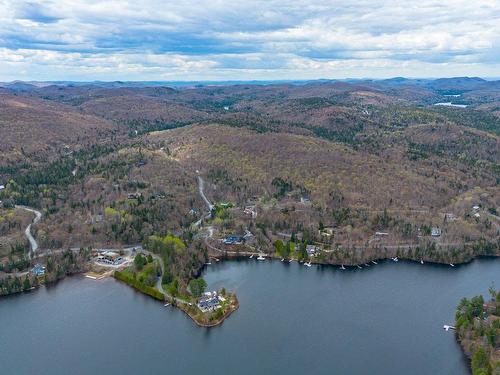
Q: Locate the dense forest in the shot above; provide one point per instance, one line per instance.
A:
(478, 330)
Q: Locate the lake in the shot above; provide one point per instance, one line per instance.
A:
(450, 104)
(384, 319)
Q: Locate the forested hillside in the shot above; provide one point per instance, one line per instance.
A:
(325, 163)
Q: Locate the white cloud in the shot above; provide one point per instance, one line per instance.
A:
(76, 39)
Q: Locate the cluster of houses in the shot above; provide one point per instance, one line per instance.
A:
(109, 257)
(210, 301)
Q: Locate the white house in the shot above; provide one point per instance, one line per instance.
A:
(435, 232)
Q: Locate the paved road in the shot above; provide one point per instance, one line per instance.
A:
(27, 232)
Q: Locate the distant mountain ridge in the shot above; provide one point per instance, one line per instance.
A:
(462, 83)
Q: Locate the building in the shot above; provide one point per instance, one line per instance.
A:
(435, 232)
(210, 294)
(247, 235)
(134, 195)
(312, 250)
(109, 257)
(327, 231)
(38, 270)
(210, 301)
(233, 240)
(158, 195)
(250, 210)
(305, 199)
(2, 187)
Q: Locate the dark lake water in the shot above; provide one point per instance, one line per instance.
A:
(385, 319)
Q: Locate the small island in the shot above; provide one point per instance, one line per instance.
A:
(478, 332)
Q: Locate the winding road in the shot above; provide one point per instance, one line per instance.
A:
(27, 232)
(201, 185)
(210, 230)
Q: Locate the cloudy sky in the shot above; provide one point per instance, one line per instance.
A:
(251, 39)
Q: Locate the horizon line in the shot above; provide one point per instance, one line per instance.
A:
(486, 78)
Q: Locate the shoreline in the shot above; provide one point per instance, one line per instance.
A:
(235, 304)
(476, 327)
(467, 356)
(245, 255)
(233, 307)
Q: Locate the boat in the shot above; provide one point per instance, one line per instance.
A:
(421, 261)
(251, 256)
(307, 264)
(451, 264)
(167, 304)
(359, 266)
(260, 257)
(395, 259)
(374, 262)
(342, 268)
(282, 259)
(208, 263)
(447, 327)
(290, 261)
(367, 265)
